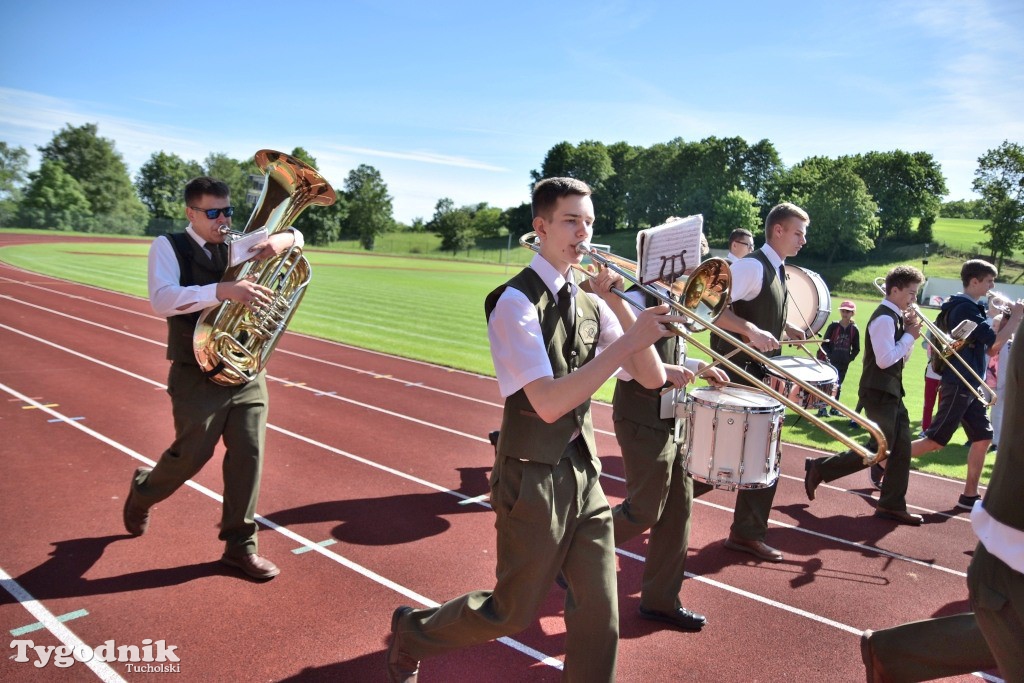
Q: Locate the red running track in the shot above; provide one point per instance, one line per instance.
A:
(374, 495)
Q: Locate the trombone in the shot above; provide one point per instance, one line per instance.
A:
(947, 346)
(702, 298)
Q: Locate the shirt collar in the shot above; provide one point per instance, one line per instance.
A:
(199, 240)
(551, 277)
(886, 302)
(773, 256)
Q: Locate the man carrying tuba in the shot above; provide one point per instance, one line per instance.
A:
(185, 271)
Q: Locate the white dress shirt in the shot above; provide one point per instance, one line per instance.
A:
(747, 274)
(166, 296)
(882, 330)
(517, 344)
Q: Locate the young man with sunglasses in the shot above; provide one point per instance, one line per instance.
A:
(185, 271)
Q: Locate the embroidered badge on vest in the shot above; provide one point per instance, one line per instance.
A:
(588, 331)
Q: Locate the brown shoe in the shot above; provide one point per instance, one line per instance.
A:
(252, 565)
(402, 667)
(754, 547)
(136, 515)
(901, 516)
(812, 477)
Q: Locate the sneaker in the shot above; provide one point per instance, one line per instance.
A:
(853, 423)
(967, 502)
(921, 435)
(822, 412)
(993, 448)
(834, 413)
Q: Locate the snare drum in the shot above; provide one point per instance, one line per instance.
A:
(809, 305)
(732, 437)
(819, 375)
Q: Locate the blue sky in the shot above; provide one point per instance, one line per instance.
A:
(463, 99)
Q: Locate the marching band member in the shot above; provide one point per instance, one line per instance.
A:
(551, 514)
(758, 313)
(887, 348)
(659, 491)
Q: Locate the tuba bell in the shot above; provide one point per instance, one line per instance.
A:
(232, 342)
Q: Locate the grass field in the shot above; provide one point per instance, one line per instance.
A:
(432, 310)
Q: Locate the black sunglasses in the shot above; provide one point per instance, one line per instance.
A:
(212, 214)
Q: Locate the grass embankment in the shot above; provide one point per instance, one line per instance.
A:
(419, 306)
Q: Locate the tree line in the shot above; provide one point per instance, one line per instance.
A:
(858, 203)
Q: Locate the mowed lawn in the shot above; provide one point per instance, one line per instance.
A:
(430, 310)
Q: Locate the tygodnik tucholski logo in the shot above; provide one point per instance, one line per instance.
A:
(149, 657)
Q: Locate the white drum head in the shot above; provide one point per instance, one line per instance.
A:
(734, 399)
(809, 305)
(808, 370)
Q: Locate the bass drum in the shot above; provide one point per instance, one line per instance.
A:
(809, 305)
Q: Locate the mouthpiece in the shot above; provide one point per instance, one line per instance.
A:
(583, 248)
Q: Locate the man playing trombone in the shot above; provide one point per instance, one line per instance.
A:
(959, 404)
(758, 313)
(887, 347)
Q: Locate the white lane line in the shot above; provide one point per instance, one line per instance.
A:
(284, 531)
(54, 626)
(422, 482)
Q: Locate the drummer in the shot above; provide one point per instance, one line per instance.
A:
(659, 494)
(757, 314)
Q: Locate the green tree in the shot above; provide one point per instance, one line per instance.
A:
(841, 210)
(13, 173)
(54, 200)
(737, 209)
(590, 162)
(239, 176)
(904, 185)
(369, 205)
(454, 226)
(161, 181)
(761, 166)
(486, 220)
(999, 179)
(964, 208)
(97, 166)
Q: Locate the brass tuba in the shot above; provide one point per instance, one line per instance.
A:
(233, 342)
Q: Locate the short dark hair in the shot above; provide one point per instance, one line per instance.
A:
(975, 269)
(902, 277)
(197, 187)
(740, 234)
(781, 212)
(547, 192)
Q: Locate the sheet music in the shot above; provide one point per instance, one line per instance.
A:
(238, 249)
(668, 251)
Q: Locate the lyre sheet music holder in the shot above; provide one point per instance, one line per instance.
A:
(667, 252)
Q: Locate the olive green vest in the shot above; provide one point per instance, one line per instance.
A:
(767, 311)
(196, 268)
(890, 379)
(1003, 498)
(633, 401)
(524, 435)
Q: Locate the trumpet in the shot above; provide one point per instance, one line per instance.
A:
(948, 346)
(999, 302)
(702, 298)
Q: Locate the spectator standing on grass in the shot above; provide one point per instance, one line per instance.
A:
(841, 345)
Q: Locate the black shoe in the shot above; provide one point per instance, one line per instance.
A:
(967, 502)
(834, 413)
(876, 473)
(812, 477)
(681, 618)
(402, 667)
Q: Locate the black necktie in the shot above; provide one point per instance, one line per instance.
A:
(219, 256)
(565, 305)
(782, 277)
